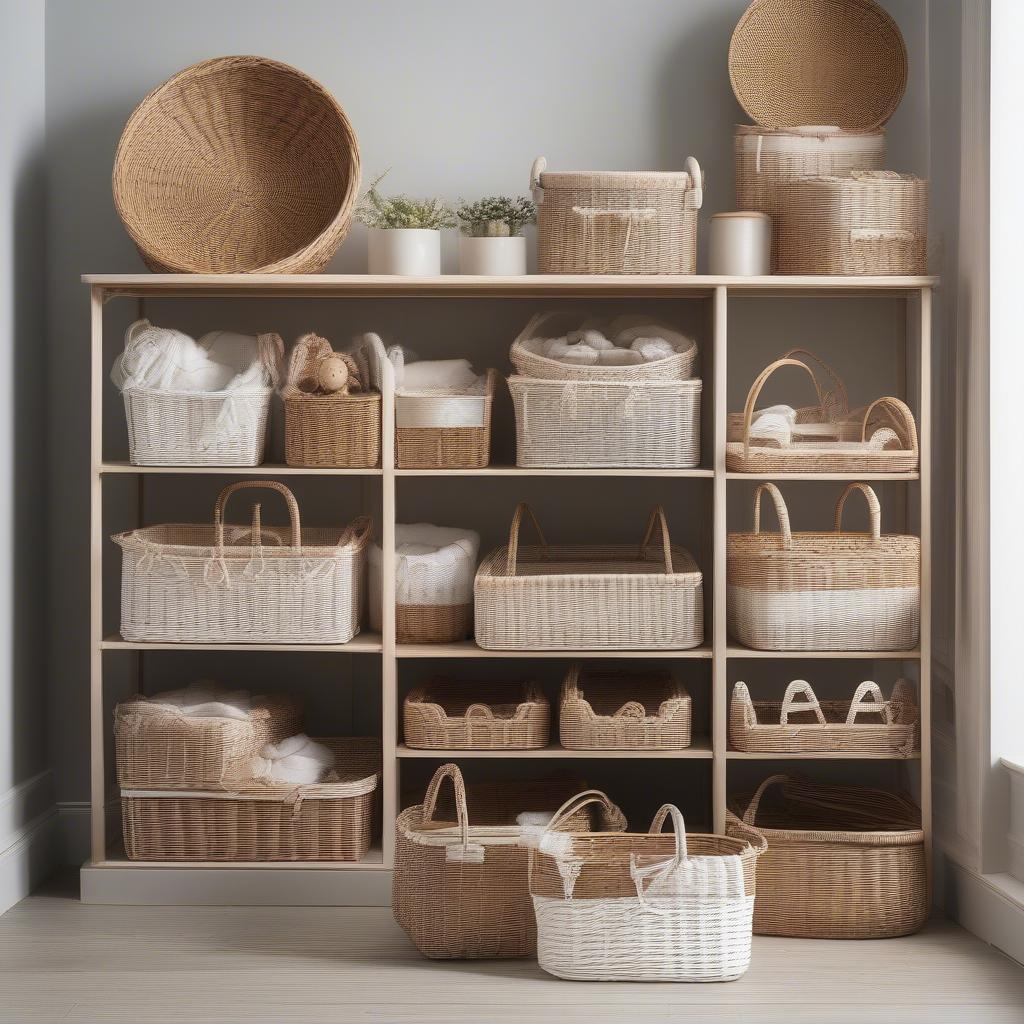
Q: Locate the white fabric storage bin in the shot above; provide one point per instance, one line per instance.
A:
(597, 423)
(434, 570)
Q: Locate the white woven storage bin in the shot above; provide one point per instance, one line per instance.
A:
(651, 907)
(175, 427)
(589, 597)
(823, 591)
(243, 584)
(585, 423)
(434, 568)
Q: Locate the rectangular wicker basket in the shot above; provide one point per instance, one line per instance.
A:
(801, 723)
(424, 441)
(224, 584)
(325, 821)
(447, 715)
(596, 423)
(158, 747)
(608, 710)
(843, 862)
(823, 591)
(589, 597)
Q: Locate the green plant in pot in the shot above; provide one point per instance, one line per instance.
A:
(491, 243)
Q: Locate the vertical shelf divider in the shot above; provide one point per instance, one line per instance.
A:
(389, 662)
(719, 663)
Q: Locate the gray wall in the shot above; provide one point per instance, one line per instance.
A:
(25, 790)
(457, 97)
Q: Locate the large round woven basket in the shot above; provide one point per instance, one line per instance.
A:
(237, 165)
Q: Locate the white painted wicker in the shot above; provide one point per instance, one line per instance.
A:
(633, 907)
(589, 597)
(243, 584)
(584, 423)
(823, 591)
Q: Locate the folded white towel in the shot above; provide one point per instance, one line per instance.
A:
(207, 700)
(534, 818)
(773, 428)
(590, 336)
(651, 349)
(438, 374)
(787, 412)
(573, 354)
(297, 759)
(620, 357)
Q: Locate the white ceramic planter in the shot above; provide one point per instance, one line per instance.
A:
(405, 252)
(492, 257)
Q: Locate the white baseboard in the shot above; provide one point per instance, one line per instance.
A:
(74, 827)
(28, 838)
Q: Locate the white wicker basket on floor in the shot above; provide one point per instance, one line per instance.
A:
(823, 591)
(633, 907)
(586, 423)
(243, 584)
(589, 597)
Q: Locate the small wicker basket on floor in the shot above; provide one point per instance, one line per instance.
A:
(823, 591)
(828, 437)
(874, 223)
(617, 222)
(423, 441)
(589, 597)
(801, 723)
(460, 891)
(447, 715)
(636, 907)
(843, 862)
(607, 710)
(158, 747)
(324, 821)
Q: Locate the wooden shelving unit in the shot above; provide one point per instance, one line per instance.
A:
(108, 877)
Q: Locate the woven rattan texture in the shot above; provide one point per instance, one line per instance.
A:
(237, 165)
(843, 862)
(432, 623)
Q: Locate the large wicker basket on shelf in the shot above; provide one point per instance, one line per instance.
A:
(827, 437)
(615, 710)
(843, 862)
(819, 591)
(159, 747)
(589, 597)
(261, 821)
(460, 890)
(448, 715)
(644, 907)
(223, 583)
(237, 165)
(865, 725)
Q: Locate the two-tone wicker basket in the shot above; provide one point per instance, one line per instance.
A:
(615, 710)
(819, 591)
(843, 862)
(243, 584)
(460, 890)
(159, 747)
(617, 222)
(866, 725)
(644, 907)
(261, 821)
(448, 715)
(589, 597)
(826, 438)
(444, 430)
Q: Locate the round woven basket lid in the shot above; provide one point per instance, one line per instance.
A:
(822, 62)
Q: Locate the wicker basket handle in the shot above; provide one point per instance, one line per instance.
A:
(695, 197)
(842, 400)
(741, 699)
(755, 392)
(678, 826)
(658, 518)
(535, 172)
(576, 803)
(271, 355)
(357, 533)
(448, 771)
(781, 512)
(750, 814)
(479, 711)
(790, 704)
(513, 536)
(877, 705)
(631, 709)
(874, 509)
(270, 485)
(903, 413)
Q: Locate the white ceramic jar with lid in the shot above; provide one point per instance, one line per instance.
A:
(740, 244)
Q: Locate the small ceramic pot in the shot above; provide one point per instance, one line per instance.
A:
(741, 244)
(492, 257)
(405, 252)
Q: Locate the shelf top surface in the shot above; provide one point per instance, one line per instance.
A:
(460, 284)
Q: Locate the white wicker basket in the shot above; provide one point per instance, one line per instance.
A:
(243, 584)
(593, 423)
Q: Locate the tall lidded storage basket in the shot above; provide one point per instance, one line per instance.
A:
(617, 222)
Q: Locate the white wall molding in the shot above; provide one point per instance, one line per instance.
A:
(28, 831)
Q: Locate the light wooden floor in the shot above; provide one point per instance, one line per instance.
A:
(62, 961)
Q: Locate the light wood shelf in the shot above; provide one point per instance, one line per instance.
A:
(821, 755)
(306, 882)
